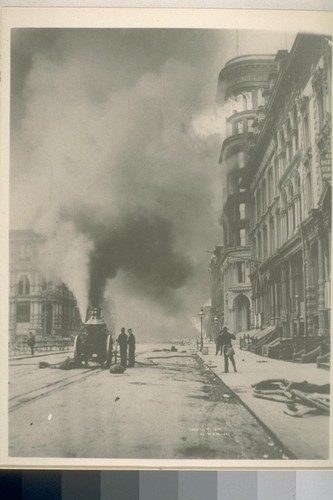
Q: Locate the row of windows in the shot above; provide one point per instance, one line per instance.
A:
(289, 217)
(23, 312)
(236, 276)
(288, 140)
(247, 101)
(21, 252)
(23, 286)
(240, 126)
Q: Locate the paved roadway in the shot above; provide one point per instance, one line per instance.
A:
(170, 406)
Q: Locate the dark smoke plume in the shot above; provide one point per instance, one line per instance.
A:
(140, 244)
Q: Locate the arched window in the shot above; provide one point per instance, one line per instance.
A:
(282, 151)
(258, 204)
(276, 174)
(248, 104)
(265, 242)
(284, 219)
(278, 228)
(306, 129)
(298, 195)
(263, 195)
(295, 129)
(259, 248)
(291, 208)
(289, 139)
(255, 256)
(309, 191)
(23, 285)
(270, 185)
(272, 235)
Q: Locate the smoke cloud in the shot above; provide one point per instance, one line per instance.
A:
(109, 165)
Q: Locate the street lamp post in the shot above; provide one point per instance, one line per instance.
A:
(201, 314)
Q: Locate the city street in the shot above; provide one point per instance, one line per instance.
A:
(170, 406)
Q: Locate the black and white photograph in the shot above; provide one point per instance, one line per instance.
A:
(169, 241)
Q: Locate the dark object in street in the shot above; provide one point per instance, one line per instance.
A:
(131, 348)
(69, 364)
(43, 364)
(122, 341)
(117, 398)
(117, 369)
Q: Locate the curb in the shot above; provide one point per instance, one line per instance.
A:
(269, 431)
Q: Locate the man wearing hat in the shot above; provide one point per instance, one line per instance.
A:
(122, 341)
(228, 350)
(131, 348)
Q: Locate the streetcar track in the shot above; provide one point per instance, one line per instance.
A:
(23, 400)
(27, 397)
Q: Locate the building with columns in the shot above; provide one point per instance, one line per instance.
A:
(45, 308)
(289, 178)
(286, 186)
(242, 85)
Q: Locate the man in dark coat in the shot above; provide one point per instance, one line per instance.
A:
(131, 348)
(122, 341)
(228, 349)
(218, 342)
(31, 342)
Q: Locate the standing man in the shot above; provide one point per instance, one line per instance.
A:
(228, 350)
(31, 342)
(218, 342)
(122, 341)
(131, 348)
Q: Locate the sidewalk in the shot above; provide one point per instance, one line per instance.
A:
(307, 437)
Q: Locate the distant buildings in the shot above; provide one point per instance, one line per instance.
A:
(272, 273)
(45, 308)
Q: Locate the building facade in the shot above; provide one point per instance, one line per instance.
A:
(45, 308)
(285, 185)
(289, 179)
(242, 85)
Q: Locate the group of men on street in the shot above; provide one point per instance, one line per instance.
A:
(127, 343)
(224, 344)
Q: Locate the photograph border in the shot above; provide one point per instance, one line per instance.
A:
(13, 17)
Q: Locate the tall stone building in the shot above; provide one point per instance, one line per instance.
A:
(45, 308)
(289, 179)
(286, 187)
(242, 85)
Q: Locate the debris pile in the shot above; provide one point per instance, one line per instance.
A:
(117, 369)
(302, 398)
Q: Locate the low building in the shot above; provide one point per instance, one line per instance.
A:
(45, 308)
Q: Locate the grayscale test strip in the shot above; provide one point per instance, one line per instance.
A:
(81, 485)
(197, 485)
(40, 485)
(158, 485)
(237, 485)
(276, 485)
(314, 485)
(120, 485)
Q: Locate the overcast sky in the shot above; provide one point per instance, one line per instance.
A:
(114, 158)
